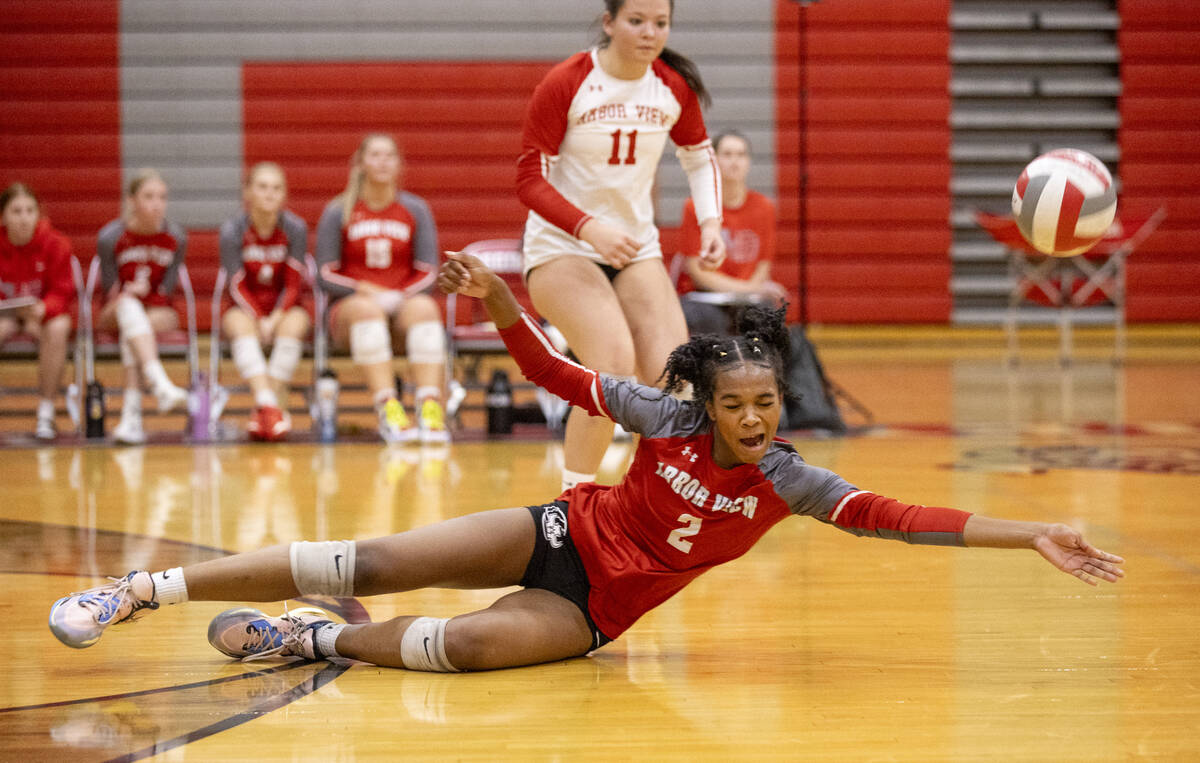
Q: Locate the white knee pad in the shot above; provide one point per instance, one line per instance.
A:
(285, 356)
(324, 567)
(423, 646)
(370, 342)
(248, 356)
(425, 342)
(128, 359)
(132, 320)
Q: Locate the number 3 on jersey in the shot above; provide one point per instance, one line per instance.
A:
(676, 538)
(630, 154)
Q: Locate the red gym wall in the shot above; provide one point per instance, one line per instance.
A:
(1160, 153)
(61, 129)
(878, 141)
(459, 126)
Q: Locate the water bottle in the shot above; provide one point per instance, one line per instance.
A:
(499, 404)
(326, 406)
(199, 408)
(93, 410)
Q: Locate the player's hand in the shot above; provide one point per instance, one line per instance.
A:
(773, 290)
(465, 274)
(712, 244)
(267, 326)
(1066, 549)
(616, 246)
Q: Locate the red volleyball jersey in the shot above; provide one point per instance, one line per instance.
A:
(40, 268)
(749, 233)
(145, 265)
(265, 271)
(677, 513)
(377, 247)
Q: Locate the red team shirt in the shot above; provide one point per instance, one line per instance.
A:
(148, 262)
(40, 268)
(677, 513)
(395, 247)
(265, 272)
(749, 233)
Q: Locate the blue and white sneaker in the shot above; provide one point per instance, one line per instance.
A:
(249, 634)
(78, 620)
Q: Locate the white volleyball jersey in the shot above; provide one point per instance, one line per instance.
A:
(597, 141)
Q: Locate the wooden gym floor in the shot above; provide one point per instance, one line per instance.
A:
(816, 645)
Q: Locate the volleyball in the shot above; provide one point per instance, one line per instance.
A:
(1064, 201)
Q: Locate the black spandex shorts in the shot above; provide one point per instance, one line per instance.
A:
(608, 270)
(555, 565)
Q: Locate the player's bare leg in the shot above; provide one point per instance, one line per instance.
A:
(361, 325)
(486, 550)
(418, 325)
(589, 315)
(523, 628)
(293, 326)
(655, 318)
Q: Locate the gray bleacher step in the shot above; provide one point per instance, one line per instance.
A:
(991, 19)
(974, 53)
(980, 285)
(1087, 20)
(1029, 315)
(963, 151)
(978, 251)
(965, 118)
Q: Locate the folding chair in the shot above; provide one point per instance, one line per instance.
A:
(197, 402)
(1071, 285)
(472, 334)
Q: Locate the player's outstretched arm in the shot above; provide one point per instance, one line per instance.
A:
(1062, 546)
(467, 275)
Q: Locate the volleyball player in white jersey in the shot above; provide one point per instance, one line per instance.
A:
(594, 132)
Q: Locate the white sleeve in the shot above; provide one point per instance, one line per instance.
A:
(700, 164)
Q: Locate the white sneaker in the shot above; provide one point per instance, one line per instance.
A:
(45, 428)
(78, 620)
(169, 397)
(249, 634)
(130, 431)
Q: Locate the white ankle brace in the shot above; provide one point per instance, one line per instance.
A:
(324, 567)
(423, 646)
(169, 586)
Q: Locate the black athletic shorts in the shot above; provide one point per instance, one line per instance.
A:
(555, 565)
(608, 270)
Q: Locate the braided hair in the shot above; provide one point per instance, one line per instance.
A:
(760, 338)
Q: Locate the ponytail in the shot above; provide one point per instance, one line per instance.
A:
(687, 69)
(760, 338)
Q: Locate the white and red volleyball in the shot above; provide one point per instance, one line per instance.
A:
(1064, 201)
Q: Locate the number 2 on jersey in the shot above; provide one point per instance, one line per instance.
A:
(630, 155)
(676, 538)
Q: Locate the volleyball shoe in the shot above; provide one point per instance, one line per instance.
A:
(394, 424)
(249, 634)
(79, 620)
(431, 423)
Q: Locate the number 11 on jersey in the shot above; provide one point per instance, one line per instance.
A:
(630, 154)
